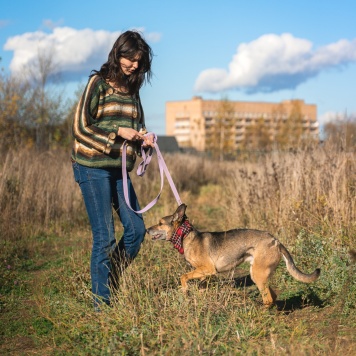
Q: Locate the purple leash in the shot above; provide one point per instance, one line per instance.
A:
(146, 159)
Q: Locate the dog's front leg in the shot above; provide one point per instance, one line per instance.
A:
(199, 273)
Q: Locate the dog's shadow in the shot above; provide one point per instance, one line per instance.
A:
(287, 306)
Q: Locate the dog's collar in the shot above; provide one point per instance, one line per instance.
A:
(178, 236)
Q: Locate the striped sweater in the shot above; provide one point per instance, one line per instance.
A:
(99, 114)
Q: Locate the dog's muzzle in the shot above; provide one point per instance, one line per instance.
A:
(157, 235)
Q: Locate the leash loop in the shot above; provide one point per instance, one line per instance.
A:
(141, 169)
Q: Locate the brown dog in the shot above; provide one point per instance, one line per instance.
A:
(214, 252)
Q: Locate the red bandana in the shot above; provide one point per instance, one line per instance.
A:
(178, 236)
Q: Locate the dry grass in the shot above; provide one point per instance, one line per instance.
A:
(306, 199)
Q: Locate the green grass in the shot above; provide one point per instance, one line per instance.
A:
(45, 299)
(46, 303)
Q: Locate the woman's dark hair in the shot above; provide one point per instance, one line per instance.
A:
(129, 45)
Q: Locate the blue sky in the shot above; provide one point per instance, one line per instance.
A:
(244, 50)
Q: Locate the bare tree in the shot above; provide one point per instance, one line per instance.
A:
(342, 132)
(14, 111)
(220, 136)
(257, 136)
(289, 131)
(31, 104)
(46, 99)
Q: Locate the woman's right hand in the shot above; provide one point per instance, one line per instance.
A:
(129, 134)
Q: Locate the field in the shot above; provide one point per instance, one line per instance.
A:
(306, 198)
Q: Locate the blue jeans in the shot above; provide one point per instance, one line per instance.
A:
(102, 190)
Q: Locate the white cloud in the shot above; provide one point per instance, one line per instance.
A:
(76, 52)
(274, 62)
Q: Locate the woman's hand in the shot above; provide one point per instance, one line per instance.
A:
(129, 134)
(148, 140)
(132, 135)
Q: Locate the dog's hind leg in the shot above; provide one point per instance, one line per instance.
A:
(199, 273)
(260, 275)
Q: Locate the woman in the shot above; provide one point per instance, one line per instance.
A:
(110, 112)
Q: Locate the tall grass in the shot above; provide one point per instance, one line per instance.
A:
(37, 191)
(294, 191)
(305, 198)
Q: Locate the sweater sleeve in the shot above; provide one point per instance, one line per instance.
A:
(84, 129)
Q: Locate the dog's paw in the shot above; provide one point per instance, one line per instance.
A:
(184, 290)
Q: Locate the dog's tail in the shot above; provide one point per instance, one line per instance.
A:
(294, 271)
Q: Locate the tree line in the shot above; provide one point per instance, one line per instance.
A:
(35, 113)
(33, 109)
(281, 131)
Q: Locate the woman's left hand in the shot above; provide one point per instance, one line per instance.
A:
(148, 140)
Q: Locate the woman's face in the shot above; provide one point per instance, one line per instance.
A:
(128, 66)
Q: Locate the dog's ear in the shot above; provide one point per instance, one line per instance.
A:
(180, 212)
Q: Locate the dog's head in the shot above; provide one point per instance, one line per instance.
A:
(168, 225)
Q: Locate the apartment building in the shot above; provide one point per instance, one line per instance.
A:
(190, 121)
